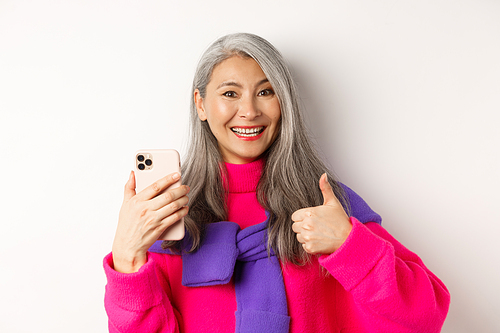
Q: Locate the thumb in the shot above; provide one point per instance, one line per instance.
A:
(129, 190)
(329, 197)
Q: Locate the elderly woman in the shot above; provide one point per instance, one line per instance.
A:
(267, 249)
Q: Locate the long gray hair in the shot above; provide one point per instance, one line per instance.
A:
(292, 170)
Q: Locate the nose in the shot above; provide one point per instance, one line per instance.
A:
(249, 109)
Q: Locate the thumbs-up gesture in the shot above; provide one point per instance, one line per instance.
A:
(322, 229)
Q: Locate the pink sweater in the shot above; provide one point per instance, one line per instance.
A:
(372, 283)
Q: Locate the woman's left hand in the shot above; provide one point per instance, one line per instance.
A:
(322, 229)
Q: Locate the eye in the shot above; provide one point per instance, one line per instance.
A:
(229, 94)
(266, 92)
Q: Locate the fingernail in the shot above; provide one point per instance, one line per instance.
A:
(176, 176)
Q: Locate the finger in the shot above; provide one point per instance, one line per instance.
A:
(329, 197)
(171, 219)
(307, 248)
(300, 214)
(300, 239)
(297, 227)
(168, 197)
(129, 190)
(172, 207)
(158, 186)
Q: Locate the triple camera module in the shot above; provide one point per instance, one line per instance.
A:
(144, 161)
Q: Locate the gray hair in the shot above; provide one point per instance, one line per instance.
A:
(292, 170)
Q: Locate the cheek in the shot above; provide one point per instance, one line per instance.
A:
(218, 115)
(276, 122)
(277, 110)
(277, 117)
(220, 112)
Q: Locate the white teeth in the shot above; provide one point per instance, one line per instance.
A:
(248, 132)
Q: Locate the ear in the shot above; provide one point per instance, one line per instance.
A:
(198, 101)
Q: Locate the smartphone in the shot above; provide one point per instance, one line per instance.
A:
(151, 165)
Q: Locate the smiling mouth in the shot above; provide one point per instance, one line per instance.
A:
(248, 132)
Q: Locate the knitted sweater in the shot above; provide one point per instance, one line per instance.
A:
(372, 283)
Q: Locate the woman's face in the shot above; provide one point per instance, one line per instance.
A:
(241, 108)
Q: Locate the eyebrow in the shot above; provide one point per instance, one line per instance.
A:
(236, 84)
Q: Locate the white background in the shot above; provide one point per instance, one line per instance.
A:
(402, 97)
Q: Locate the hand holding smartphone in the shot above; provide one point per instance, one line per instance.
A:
(154, 205)
(150, 166)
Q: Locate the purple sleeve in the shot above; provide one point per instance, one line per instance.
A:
(136, 302)
(392, 288)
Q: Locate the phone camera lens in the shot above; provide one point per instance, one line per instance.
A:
(140, 158)
(141, 166)
(148, 162)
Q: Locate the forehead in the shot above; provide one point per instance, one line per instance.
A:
(237, 68)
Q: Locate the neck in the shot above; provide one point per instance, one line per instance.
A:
(241, 188)
(243, 178)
